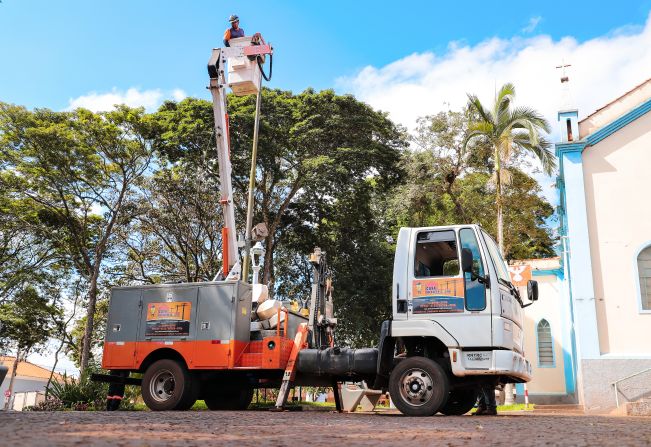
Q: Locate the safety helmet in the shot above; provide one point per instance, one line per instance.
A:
(233, 18)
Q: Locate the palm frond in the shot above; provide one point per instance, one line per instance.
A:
(485, 127)
(476, 130)
(475, 104)
(521, 114)
(544, 155)
(503, 100)
(541, 151)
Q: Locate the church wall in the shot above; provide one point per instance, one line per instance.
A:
(617, 175)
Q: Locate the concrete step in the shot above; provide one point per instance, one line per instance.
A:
(574, 409)
(638, 408)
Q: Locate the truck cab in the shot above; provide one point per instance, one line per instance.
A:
(454, 305)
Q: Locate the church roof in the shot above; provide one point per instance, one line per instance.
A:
(615, 109)
(27, 369)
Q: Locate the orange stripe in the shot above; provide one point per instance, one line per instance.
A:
(225, 252)
(203, 354)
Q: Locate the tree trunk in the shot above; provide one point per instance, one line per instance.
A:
(500, 227)
(56, 362)
(90, 322)
(268, 254)
(455, 200)
(508, 388)
(271, 283)
(498, 201)
(14, 368)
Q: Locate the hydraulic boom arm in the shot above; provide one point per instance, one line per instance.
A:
(218, 90)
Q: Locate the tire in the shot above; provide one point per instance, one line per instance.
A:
(460, 402)
(168, 385)
(418, 386)
(235, 400)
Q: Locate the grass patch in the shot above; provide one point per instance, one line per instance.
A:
(269, 404)
(514, 407)
(201, 405)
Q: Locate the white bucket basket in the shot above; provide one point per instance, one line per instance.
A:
(243, 73)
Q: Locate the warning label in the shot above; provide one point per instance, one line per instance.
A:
(165, 319)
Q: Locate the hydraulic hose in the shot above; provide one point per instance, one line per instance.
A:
(271, 66)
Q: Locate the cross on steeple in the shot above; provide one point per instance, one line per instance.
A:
(564, 77)
(568, 116)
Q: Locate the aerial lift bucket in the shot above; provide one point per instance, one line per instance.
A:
(243, 74)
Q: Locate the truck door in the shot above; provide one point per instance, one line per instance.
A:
(507, 312)
(440, 292)
(122, 327)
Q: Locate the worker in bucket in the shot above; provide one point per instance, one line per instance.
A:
(486, 405)
(234, 31)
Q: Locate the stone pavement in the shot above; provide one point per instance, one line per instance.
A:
(260, 428)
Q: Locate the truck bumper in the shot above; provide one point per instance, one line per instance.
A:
(496, 362)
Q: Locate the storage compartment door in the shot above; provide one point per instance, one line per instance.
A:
(122, 328)
(215, 326)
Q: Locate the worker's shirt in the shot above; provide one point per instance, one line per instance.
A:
(232, 33)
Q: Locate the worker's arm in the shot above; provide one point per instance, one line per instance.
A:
(227, 37)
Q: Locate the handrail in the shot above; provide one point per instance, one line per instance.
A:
(625, 378)
(280, 310)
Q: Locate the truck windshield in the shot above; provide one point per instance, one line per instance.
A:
(498, 261)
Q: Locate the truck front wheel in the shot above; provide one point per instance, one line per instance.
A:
(167, 385)
(418, 386)
(460, 402)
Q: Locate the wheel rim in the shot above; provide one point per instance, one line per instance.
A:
(416, 387)
(161, 386)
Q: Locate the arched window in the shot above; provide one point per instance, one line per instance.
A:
(644, 272)
(545, 344)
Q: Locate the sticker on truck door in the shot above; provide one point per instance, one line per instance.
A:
(165, 319)
(437, 295)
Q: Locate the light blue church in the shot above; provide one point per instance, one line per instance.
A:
(601, 330)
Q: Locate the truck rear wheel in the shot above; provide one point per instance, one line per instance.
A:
(167, 385)
(418, 386)
(460, 402)
(237, 399)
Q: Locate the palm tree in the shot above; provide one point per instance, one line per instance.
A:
(510, 131)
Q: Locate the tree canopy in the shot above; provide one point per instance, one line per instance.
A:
(129, 197)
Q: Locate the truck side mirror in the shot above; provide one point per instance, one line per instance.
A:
(532, 290)
(466, 260)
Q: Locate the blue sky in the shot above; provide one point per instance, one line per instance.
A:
(53, 51)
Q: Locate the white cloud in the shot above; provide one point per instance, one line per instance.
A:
(532, 25)
(133, 97)
(421, 84)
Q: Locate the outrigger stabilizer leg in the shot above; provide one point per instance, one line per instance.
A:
(300, 342)
(336, 391)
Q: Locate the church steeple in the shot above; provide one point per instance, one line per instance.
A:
(568, 115)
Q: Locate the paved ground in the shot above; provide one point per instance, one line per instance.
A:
(258, 428)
